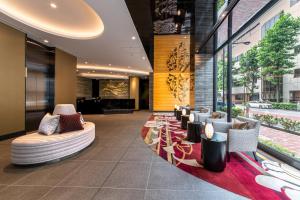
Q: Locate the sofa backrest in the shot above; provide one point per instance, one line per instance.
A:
(256, 123)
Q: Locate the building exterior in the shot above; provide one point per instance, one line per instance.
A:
(290, 87)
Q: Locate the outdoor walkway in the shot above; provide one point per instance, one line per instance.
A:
(290, 141)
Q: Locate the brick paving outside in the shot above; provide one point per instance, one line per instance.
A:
(287, 140)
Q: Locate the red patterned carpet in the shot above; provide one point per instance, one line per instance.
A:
(238, 177)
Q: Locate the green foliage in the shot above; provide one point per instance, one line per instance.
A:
(249, 70)
(220, 3)
(275, 49)
(290, 125)
(279, 148)
(270, 120)
(284, 106)
(236, 111)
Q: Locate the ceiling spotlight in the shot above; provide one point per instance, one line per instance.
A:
(93, 71)
(85, 62)
(128, 67)
(144, 58)
(133, 37)
(53, 5)
(46, 41)
(109, 64)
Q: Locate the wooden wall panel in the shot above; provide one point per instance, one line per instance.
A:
(12, 80)
(172, 77)
(65, 78)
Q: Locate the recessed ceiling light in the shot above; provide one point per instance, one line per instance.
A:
(128, 67)
(46, 41)
(53, 5)
(93, 71)
(144, 58)
(85, 62)
(179, 12)
(133, 37)
(109, 64)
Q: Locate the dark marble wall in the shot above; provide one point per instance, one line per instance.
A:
(84, 87)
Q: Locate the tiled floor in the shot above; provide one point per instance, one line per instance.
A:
(118, 165)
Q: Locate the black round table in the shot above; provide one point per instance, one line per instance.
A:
(194, 130)
(178, 114)
(214, 152)
(184, 121)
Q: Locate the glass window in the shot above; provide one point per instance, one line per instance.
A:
(222, 79)
(258, 86)
(296, 73)
(269, 24)
(293, 2)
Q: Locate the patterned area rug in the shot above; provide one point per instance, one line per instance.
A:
(163, 134)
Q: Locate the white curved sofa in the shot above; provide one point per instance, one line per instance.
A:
(38, 148)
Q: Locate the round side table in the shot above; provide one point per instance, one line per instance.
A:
(178, 114)
(214, 152)
(194, 130)
(184, 121)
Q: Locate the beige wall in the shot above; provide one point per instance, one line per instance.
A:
(134, 90)
(12, 80)
(65, 78)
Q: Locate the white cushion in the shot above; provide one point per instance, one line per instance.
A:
(64, 109)
(48, 124)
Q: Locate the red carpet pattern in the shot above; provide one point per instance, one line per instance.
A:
(168, 141)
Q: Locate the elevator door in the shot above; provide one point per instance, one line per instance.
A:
(39, 83)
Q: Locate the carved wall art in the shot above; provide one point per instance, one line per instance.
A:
(114, 89)
(172, 77)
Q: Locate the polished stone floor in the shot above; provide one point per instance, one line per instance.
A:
(118, 165)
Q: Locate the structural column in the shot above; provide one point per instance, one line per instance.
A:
(134, 90)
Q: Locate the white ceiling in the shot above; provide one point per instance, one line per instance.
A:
(113, 48)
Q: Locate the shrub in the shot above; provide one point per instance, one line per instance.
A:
(269, 120)
(284, 106)
(258, 117)
(279, 148)
(288, 124)
(236, 111)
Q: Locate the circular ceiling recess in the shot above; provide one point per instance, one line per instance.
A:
(67, 18)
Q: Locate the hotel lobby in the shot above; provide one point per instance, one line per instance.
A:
(149, 99)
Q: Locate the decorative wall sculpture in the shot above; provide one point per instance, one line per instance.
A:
(172, 77)
(114, 89)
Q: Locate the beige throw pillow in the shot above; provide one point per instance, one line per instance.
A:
(49, 124)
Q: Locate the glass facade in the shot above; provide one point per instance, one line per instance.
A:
(265, 74)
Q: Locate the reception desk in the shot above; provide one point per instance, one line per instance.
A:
(105, 106)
